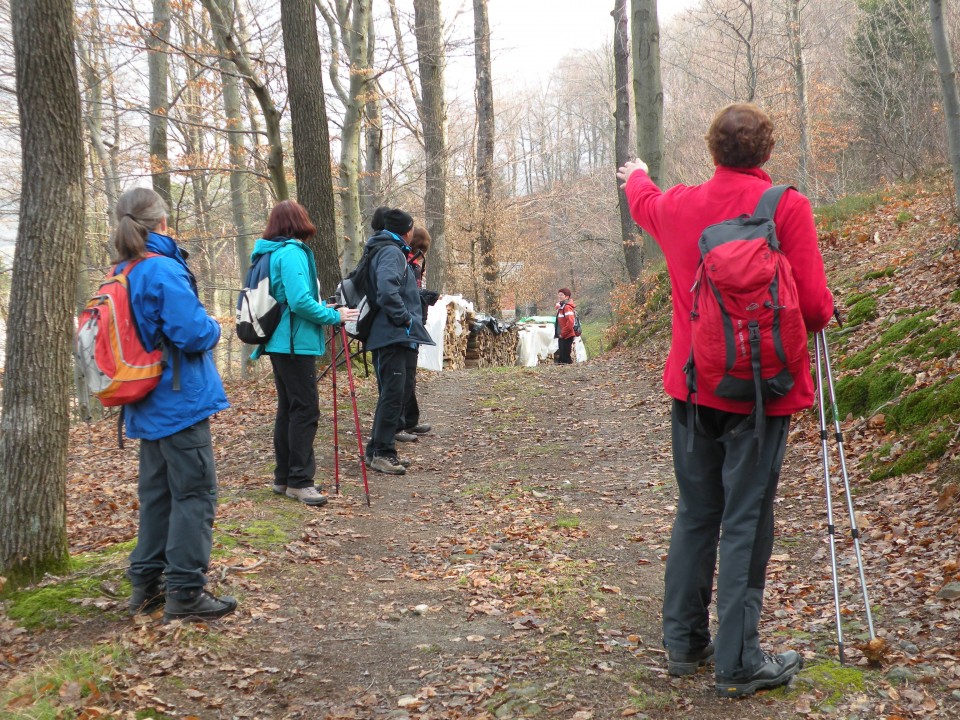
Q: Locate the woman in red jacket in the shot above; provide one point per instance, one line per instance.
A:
(563, 328)
(728, 483)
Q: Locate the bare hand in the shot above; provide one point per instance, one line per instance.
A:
(628, 169)
(348, 314)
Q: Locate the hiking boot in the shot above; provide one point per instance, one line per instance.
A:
(776, 670)
(279, 489)
(148, 597)
(419, 429)
(402, 461)
(404, 436)
(308, 496)
(389, 464)
(202, 606)
(679, 664)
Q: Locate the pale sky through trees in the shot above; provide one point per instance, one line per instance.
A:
(530, 37)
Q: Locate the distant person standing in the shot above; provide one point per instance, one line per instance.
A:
(564, 326)
(395, 335)
(410, 426)
(294, 348)
(177, 486)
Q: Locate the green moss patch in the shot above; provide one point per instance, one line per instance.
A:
(61, 687)
(835, 681)
(862, 311)
(846, 208)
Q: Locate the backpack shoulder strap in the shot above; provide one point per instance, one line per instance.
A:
(132, 263)
(767, 205)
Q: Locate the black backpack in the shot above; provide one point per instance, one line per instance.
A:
(356, 291)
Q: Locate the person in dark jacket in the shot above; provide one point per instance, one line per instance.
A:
(410, 428)
(294, 348)
(396, 333)
(177, 485)
(728, 483)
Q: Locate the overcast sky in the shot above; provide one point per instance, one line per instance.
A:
(529, 37)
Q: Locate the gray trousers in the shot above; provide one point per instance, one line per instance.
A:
(727, 491)
(178, 500)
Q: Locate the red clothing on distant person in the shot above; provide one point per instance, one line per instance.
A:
(677, 217)
(566, 319)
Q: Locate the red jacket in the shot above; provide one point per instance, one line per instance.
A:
(565, 320)
(677, 217)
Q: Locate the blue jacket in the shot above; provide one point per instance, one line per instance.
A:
(400, 318)
(293, 281)
(163, 293)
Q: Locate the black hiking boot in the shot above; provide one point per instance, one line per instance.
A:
(679, 664)
(776, 670)
(148, 597)
(201, 606)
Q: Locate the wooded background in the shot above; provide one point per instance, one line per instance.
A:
(227, 106)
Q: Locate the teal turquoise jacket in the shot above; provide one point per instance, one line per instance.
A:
(293, 281)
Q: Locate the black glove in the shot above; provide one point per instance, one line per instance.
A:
(429, 297)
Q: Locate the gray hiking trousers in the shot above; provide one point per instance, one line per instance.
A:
(727, 491)
(178, 499)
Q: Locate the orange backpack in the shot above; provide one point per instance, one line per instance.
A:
(114, 364)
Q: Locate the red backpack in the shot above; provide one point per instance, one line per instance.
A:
(115, 365)
(749, 341)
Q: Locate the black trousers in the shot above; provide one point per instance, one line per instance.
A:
(410, 416)
(390, 364)
(565, 351)
(727, 489)
(298, 413)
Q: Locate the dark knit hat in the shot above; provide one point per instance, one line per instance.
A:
(397, 221)
(565, 291)
(376, 222)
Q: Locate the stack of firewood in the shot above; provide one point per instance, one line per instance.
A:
(486, 348)
(455, 337)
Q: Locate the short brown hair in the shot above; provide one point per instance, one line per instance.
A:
(421, 239)
(740, 136)
(289, 219)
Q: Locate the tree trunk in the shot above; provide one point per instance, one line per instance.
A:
(271, 116)
(35, 419)
(232, 110)
(485, 130)
(951, 100)
(311, 137)
(431, 57)
(648, 100)
(795, 41)
(629, 233)
(371, 192)
(349, 30)
(157, 40)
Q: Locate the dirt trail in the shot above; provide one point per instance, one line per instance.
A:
(515, 571)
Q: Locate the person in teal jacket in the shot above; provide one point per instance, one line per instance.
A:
(177, 485)
(293, 348)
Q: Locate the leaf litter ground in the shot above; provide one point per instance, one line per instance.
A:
(516, 571)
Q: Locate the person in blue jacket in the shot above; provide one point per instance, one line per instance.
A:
(294, 347)
(177, 485)
(395, 335)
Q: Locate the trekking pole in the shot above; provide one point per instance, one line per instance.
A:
(336, 433)
(824, 369)
(356, 414)
(831, 529)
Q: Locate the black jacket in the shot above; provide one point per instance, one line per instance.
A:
(400, 317)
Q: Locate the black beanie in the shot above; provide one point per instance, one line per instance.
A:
(376, 222)
(397, 221)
